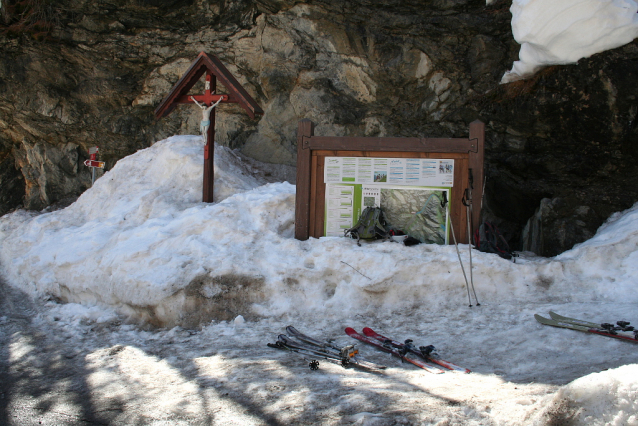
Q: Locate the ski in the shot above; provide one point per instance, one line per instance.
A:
(425, 352)
(389, 349)
(619, 326)
(344, 358)
(348, 350)
(349, 353)
(313, 364)
(296, 334)
(586, 328)
(285, 341)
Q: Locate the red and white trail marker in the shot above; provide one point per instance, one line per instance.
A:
(93, 163)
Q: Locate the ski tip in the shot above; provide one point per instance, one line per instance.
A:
(368, 331)
(350, 330)
(541, 319)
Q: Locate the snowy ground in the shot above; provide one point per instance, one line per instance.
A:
(139, 249)
(67, 366)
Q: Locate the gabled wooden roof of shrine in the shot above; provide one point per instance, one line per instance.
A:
(207, 62)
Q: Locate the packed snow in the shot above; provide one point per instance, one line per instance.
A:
(168, 303)
(554, 32)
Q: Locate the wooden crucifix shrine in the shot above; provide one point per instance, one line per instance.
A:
(215, 71)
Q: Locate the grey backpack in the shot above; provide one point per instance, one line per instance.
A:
(370, 226)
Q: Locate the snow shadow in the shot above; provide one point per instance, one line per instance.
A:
(41, 380)
(58, 372)
(64, 369)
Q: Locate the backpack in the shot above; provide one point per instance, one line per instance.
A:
(489, 239)
(370, 226)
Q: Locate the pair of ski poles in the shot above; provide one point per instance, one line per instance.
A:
(467, 202)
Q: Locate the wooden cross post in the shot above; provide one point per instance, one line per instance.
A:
(207, 102)
(213, 68)
(209, 148)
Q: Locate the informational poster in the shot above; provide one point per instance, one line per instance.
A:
(410, 192)
(417, 211)
(391, 171)
(340, 203)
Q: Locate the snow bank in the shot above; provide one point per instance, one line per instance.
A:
(127, 240)
(606, 398)
(141, 242)
(608, 262)
(562, 32)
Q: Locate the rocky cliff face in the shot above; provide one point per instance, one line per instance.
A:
(561, 147)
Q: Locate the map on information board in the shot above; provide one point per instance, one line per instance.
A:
(416, 211)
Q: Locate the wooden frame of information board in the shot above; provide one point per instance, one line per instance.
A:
(467, 153)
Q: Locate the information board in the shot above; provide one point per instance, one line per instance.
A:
(374, 169)
(409, 191)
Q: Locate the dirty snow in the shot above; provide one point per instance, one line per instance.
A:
(165, 305)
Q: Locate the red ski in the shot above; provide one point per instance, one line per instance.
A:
(389, 349)
(409, 347)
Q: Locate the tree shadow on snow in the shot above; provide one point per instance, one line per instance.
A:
(124, 375)
(40, 381)
(90, 378)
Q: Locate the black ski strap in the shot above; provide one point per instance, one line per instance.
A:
(466, 200)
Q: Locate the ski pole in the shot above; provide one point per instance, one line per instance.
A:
(447, 214)
(469, 243)
(467, 201)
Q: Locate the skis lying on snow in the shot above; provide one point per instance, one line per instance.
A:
(425, 352)
(609, 330)
(293, 332)
(314, 363)
(394, 351)
(306, 345)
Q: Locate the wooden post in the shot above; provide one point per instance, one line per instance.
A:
(305, 130)
(209, 148)
(477, 136)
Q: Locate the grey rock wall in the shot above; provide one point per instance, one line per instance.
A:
(374, 68)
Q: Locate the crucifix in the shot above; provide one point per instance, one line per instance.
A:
(207, 102)
(214, 70)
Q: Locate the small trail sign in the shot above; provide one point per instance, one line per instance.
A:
(93, 163)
